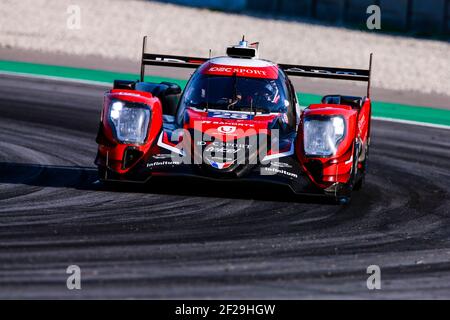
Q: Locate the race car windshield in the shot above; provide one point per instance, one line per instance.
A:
(236, 94)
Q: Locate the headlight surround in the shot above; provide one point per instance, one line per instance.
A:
(321, 135)
(130, 121)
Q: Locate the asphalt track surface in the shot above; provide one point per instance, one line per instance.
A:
(190, 239)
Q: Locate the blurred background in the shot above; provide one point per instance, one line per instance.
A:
(411, 44)
(419, 17)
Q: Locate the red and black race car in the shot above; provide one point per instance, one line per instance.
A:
(237, 118)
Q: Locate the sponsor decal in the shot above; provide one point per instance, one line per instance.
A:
(237, 70)
(162, 163)
(266, 72)
(252, 149)
(224, 147)
(278, 171)
(222, 159)
(214, 122)
(362, 122)
(297, 69)
(226, 129)
(120, 93)
(213, 149)
(187, 60)
(222, 155)
(162, 156)
(230, 115)
(220, 144)
(169, 60)
(220, 165)
(280, 164)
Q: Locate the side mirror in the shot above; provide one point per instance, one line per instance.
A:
(331, 99)
(173, 88)
(124, 84)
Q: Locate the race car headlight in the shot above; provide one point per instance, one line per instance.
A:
(321, 136)
(130, 122)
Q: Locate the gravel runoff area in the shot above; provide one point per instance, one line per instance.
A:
(114, 29)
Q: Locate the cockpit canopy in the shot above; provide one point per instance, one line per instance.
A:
(236, 93)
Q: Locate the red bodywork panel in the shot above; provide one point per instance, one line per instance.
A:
(336, 168)
(114, 152)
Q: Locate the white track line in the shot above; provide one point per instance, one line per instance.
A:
(55, 78)
(415, 123)
(107, 84)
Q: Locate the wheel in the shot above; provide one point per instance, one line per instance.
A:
(354, 175)
(360, 183)
(362, 179)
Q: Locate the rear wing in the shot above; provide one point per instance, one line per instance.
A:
(167, 60)
(330, 73)
(289, 69)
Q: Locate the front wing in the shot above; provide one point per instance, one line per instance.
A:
(284, 171)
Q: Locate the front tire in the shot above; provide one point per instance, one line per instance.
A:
(362, 179)
(345, 195)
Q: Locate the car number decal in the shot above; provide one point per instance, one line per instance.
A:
(230, 115)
